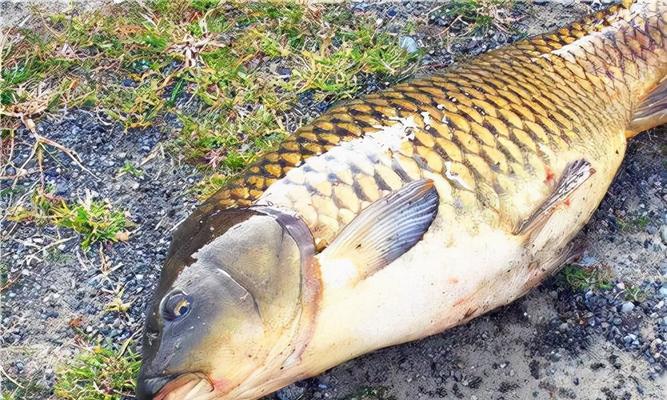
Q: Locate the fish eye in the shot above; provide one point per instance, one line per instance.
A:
(176, 306)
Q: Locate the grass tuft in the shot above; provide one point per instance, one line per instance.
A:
(131, 169)
(101, 372)
(586, 278)
(633, 225)
(94, 220)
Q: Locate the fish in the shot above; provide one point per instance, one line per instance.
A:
(405, 212)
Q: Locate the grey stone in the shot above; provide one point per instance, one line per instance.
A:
(408, 44)
(627, 307)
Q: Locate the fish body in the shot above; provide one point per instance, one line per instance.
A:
(413, 209)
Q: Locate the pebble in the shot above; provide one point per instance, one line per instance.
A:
(627, 307)
(61, 189)
(408, 44)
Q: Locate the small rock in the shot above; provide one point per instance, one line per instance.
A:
(663, 233)
(627, 307)
(408, 44)
(61, 189)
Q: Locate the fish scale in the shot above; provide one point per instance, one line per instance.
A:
(490, 126)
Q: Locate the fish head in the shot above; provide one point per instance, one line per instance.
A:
(226, 323)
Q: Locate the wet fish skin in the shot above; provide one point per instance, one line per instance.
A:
(521, 144)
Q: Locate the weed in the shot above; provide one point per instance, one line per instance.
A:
(633, 225)
(634, 293)
(129, 168)
(101, 372)
(117, 304)
(94, 220)
(42, 202)
(585, 278)
(641, 222)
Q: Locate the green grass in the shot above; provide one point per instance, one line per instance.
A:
(131, 169)
(634, 224)
(634, 293)
(586, 278)
(96, 221)
(209, 63)
(98, 373)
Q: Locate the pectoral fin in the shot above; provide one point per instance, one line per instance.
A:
(651, 111)
(574, 175)
(386, 229)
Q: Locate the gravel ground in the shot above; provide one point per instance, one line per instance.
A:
(556, 342)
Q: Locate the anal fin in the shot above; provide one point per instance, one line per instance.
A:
(385, 230)
(574, 175)
(651, 111)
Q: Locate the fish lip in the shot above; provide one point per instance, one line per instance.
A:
(159, 387)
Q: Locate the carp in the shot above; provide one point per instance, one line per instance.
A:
(406, 212)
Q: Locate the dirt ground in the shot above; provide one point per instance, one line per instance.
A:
(558, 342)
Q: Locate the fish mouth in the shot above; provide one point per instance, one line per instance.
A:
(188, 386)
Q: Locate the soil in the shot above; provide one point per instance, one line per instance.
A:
(557, 342)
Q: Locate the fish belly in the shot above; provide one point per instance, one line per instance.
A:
(453, 275)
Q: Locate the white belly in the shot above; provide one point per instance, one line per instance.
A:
(449, 277)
